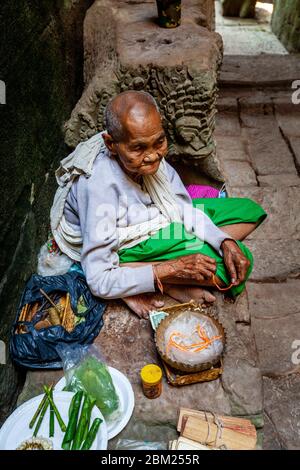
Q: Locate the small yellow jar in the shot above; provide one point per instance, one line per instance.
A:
(151, 376)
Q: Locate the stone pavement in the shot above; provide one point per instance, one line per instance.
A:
(258, 142)
(248, 36)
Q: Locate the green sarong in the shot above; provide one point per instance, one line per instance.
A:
(173, 241)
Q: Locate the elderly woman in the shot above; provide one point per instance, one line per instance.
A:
(123, 212)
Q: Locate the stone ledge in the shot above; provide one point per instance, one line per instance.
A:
(264, 70)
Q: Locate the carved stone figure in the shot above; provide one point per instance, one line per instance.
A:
(178, 67)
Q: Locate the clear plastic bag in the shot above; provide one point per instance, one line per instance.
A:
(85, 370)
(52, 263)
(193, 340)
(129, 444)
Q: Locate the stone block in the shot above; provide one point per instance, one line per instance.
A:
(274, 310)
(278, 181)
(288, 116)
(227, 124)
(238, 173)
(282, 406)
(271, 301)
(274, 261)
(126, 49)
(275, 338)
(295, 144)
(271, 439)
(269, 152)
(282, 206)
(231, 149)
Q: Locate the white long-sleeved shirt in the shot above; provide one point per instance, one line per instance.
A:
(108, 199)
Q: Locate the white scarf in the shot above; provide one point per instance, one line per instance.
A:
(80, 162)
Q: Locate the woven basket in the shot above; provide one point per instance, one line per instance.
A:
(160, 339)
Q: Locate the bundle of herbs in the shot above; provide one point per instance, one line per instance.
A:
(54, 310)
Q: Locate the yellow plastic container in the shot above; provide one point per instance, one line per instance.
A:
(151, 376)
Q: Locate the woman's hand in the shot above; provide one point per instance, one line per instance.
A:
(186, 268)
(235, 261)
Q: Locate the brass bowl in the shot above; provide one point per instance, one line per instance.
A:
(160, 340)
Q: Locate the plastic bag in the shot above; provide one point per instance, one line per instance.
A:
(84, 370)
(193, 340)
(37, 349)
(52, 263)
(129, 444)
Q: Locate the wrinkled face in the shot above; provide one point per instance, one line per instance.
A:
(145, 142)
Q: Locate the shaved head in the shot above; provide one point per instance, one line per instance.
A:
(135, 135)
(127, 106)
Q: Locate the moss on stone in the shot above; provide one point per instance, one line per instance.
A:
(41, 59)
(286, 23)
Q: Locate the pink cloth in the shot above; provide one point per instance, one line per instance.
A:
(199, 191)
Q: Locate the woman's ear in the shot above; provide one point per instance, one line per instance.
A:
(109, 142)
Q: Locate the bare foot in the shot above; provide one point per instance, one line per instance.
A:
(185, 294)
(141, 304)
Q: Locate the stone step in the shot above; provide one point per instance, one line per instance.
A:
(261, 70)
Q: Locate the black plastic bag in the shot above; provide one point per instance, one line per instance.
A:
(36, 349)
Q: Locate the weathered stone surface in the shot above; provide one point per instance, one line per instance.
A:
(247, 37)
(274, 309)
(41, 63)
(273, 300)
(269, 153)
(241, 378)
(282, 398)
(179, 68)
(127, 344)
(276, 324)
(287, 115)
(286, 23)
(268, 150)
(261, 70)
(227, 124)
(295, 144)
(270, 436)
(238, 173)
(229, 149)
(284, 180)
(274, 259)
(282, 206)
(35, 380)
(241, 8)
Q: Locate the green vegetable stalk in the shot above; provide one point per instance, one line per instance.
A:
(71, 428)
(82, 423)
(91, 434)
(41, 417)
(51, 419)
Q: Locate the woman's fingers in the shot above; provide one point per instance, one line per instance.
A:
(242, 269)
(231, 268)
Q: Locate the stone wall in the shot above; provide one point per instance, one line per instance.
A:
(126, 49)
(286, 23)
(41, 56)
